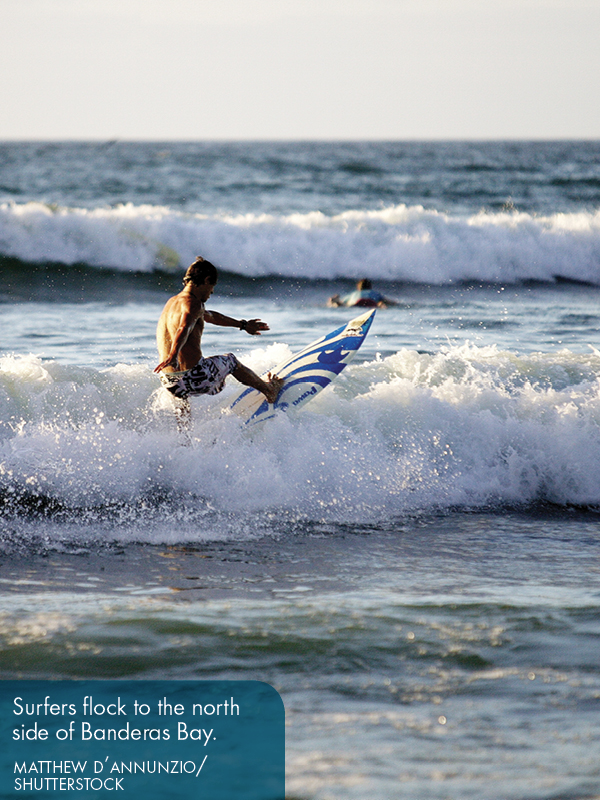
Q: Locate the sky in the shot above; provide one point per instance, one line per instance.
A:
(299, 69)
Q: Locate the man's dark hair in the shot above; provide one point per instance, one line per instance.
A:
(199, 271)
(364, 285)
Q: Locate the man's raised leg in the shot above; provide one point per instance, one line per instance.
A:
(270, 388)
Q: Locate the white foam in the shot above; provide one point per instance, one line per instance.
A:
(399, 243)
(467, 427)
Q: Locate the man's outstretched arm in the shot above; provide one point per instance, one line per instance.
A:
(252, 326)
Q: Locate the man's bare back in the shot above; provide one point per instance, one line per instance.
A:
(180, 328)
(181, 315)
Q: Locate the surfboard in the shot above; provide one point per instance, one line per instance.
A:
(305, 373)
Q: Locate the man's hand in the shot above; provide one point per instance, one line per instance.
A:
(255, 327)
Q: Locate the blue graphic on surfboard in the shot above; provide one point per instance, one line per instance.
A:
(305, 373)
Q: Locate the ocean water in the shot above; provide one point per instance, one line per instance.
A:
(413, 559)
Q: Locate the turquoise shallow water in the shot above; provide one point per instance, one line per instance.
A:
(412, 560)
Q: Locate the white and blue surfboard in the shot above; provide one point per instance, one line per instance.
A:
(305, 373)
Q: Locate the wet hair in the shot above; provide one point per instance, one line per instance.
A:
(364, 285)
(199, 271)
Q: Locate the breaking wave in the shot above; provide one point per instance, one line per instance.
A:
(466, 427)
(400, 243)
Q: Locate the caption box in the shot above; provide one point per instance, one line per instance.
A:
(222, 740)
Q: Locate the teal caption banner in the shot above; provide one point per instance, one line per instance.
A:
(220, 740)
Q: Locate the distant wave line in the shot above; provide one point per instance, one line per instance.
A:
(400, 243)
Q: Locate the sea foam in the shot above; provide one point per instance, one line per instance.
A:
(466, 427)
(399, 243)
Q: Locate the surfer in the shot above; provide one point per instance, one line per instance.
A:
(183, 370)
(364, 296)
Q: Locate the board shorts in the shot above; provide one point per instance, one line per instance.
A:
(207, 377)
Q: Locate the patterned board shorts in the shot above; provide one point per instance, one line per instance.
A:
(207, 377)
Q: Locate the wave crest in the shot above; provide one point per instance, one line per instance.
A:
(399, 243)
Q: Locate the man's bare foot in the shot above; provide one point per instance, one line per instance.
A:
(274, 386)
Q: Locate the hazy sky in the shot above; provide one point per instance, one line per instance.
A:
(298, 69)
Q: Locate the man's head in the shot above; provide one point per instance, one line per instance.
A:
(364, 285)
(200, 272)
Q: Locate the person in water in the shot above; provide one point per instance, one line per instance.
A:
(183, 370)
(364, 296)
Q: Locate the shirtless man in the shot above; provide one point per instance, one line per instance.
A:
(183, 370)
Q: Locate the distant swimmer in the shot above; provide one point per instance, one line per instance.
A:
(364, 296)
(183, 370)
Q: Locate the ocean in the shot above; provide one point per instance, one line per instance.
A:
(413, 559)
